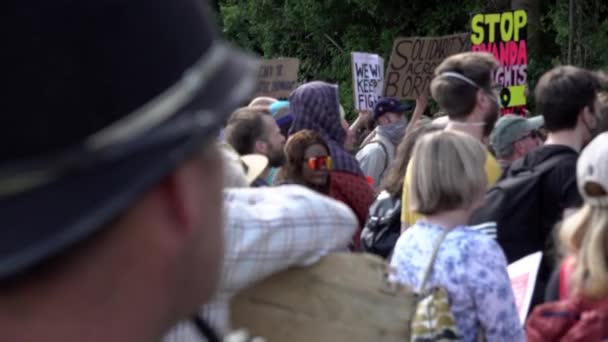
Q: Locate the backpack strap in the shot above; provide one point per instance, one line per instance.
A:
(379, 142)
(429, 267)
(541, 168)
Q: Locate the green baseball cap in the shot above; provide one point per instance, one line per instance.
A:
(511, 128)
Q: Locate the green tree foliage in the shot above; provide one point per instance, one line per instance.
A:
(590, 32)
(322, 33)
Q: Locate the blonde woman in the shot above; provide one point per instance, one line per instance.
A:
(448, 184)
(582, 315)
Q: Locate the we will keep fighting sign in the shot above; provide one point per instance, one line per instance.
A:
(368, 79)
(413, 62)
(504, 35)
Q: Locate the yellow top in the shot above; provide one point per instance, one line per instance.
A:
(409, 217)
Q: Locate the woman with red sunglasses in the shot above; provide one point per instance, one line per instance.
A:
(308, 161)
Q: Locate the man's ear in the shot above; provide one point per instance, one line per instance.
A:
(481, 100)
(261, 147)
(518, 147)
(590, 113)
(179, 194)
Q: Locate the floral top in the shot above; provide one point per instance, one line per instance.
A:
(472, 268)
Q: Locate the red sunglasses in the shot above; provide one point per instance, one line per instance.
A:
(319, 163)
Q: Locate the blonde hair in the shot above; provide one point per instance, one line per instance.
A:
(447, 172)
(585, 235)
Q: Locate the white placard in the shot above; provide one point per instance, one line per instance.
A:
(523, 273)
(368, 79)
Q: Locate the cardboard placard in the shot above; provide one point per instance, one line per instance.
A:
(343, 298)
(368, 79)
(277, 77)
(413, 62)
(523, 273)
(504, 35)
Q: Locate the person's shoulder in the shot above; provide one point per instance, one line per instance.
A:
(493, 169)
(565, 169)
(476, 239)
(293, 200)
(346, 177)
(370, 148)
(283, 194)
(567, 155)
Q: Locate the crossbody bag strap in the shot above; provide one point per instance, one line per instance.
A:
(385, 151)
(429, 267)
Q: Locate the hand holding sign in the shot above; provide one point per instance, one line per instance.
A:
(365, 116)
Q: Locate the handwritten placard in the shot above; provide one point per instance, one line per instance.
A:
(413, 62)
(277, 77)
(368, 79)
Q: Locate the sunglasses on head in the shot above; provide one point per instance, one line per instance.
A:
(319, 163)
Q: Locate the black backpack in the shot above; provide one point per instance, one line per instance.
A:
(383, 225)
(514, 204)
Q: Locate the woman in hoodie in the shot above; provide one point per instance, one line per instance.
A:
(316, 106)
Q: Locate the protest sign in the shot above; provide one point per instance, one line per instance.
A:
(504, 35)
(413, 62)
(523, 274)
(277, 77)
(368, 79)
(343, 297)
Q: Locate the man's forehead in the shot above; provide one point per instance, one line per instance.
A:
(270, 125)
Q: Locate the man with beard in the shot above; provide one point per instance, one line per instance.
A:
(464, 89)
(254, 131)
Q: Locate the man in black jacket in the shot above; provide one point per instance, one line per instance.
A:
(568, 98)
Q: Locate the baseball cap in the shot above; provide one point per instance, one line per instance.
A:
(280, 113)
(592, 172)
(510, 128)
(279, 109)
(389, 105)
(102, 99)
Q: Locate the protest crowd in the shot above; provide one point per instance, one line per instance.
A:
(169, 198)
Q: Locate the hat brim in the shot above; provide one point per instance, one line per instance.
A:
(256, 164)
(45, 221)
(404, 108)
(535, 122)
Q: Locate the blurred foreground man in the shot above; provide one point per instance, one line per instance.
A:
(110, 186)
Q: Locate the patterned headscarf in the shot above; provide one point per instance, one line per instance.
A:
(316, 106)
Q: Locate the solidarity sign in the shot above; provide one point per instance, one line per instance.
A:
(413, 61)
(504, 35)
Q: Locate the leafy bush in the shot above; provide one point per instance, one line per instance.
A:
(322, 33)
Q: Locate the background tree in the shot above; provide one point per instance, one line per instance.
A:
(323, 33)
